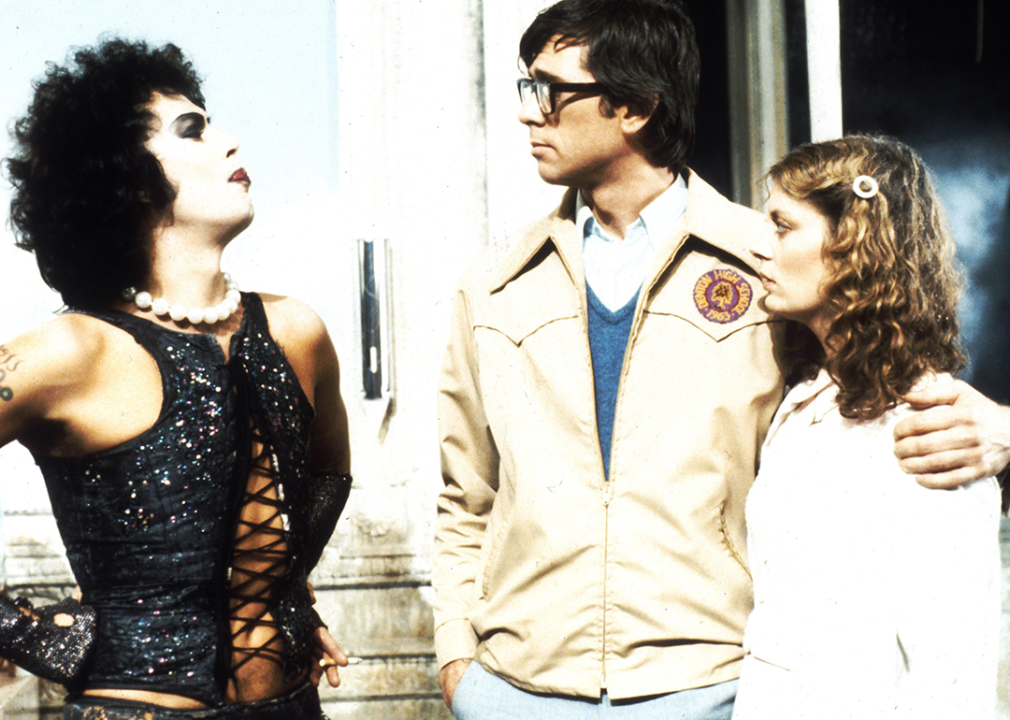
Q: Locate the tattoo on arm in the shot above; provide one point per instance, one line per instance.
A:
(9, 362)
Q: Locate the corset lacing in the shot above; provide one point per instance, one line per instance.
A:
(260, 557)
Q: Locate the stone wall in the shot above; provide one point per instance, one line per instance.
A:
(378, 606)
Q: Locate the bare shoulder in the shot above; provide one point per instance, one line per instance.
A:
(293, 323)
(302, 336)
(61, 350)
(48, 369)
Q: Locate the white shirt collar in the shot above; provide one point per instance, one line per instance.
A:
(814, 398)
(615, 269)
(660, 216)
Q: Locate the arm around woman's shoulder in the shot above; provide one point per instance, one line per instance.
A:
(958, 435)
(302, 335)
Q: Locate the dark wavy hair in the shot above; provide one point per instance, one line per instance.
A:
(87, 192)
(644, 53)
(892, 284)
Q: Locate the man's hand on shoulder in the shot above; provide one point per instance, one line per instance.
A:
(449, 677)
(959, 435)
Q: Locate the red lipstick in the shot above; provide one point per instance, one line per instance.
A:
(240, 175)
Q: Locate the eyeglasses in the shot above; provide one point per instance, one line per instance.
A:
(545, 91)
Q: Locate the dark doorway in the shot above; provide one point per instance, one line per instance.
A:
(711, 156)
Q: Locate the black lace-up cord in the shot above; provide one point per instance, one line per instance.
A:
(275, 548)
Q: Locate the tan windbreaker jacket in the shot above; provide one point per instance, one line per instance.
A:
(549, 575)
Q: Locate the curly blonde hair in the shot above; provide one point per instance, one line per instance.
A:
(892, 284)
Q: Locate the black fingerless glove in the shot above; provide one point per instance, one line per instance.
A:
(31, 639)
(327, 494)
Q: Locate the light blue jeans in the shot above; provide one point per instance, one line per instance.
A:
(483, 696)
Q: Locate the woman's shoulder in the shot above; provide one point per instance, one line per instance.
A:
(928, 380)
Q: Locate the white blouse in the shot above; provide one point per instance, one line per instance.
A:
(874, 596)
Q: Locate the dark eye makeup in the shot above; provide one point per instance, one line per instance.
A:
(190, 126)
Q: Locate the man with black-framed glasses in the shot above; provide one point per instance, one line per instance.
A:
(608, 383)
(546, 91)
(605, 392)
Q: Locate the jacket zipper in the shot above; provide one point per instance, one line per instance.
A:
(608, 487)
(605, 487)
(606, 560)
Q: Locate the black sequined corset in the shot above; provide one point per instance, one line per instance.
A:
(149, 525)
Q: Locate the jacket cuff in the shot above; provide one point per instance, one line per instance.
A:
(455, 640)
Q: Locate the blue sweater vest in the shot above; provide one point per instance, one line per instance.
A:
(608, 340)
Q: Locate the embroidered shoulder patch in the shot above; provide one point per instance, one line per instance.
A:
(722, 296)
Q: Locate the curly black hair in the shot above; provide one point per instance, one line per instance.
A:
(87, 192)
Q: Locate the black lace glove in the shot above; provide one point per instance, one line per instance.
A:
(327, 495)
(31, 639)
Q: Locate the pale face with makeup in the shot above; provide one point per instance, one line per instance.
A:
(202, 165)
(791, 260)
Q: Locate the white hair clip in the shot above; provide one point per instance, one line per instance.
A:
(865, 187)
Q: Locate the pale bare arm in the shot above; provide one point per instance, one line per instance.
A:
(42, 373)
(307, 344)
(309, 349)
(330, 450)
(18, 412)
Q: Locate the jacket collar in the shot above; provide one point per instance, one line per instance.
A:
(709, 217)
(557, 230)
(717, 221)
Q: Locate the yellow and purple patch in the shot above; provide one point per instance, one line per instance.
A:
(722, 296)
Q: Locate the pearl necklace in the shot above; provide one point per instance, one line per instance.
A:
(208, 315)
